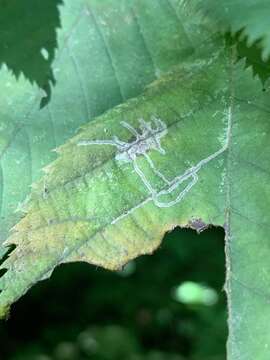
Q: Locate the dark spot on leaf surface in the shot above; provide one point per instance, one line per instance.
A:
(198, 225)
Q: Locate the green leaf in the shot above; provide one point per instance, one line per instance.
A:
(248, 15)
(108, 51)
(28, 41)
(188, 152)
(253, 57)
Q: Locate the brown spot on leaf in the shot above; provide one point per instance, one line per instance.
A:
(198, 225)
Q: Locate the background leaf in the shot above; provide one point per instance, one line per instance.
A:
(249, 16)
(244, 23)
(28, 39)
(253, 56)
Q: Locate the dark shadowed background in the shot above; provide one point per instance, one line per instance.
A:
(169, 306)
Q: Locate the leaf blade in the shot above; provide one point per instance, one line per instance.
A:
(86, 86)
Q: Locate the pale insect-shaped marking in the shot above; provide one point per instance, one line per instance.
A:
(149, 138)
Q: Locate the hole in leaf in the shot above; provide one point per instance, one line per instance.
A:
(168, 306)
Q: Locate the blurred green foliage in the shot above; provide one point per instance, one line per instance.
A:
(84, 312)
(28, 40)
